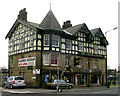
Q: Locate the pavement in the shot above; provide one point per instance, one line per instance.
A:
(41, 90)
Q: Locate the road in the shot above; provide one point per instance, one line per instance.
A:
(94, 91)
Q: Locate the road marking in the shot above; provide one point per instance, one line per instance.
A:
(11, 91)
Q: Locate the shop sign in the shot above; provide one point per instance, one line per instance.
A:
(36, 71)
(27, 61)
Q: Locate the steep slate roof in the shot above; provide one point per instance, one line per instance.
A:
(97, 32)
(50, 22)
(81, 27)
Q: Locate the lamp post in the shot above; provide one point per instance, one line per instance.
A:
(106, 48)
(110, 30)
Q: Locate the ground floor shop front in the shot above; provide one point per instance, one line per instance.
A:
(78, 79)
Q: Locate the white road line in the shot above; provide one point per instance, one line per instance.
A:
(11, 91)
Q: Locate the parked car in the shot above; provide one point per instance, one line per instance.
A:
(60, 83)
(70, 85)
(15, 81)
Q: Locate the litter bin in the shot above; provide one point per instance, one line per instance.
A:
(108, 84)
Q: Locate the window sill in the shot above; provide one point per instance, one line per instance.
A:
(54, 64)
(79, 66)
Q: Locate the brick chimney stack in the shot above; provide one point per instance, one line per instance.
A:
(67, 24)
(22, 14)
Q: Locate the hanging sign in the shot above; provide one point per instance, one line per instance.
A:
(36, 71)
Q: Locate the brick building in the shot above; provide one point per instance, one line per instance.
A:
(38, 51)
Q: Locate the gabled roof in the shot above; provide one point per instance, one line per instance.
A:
(17, 22)
(81, 27)
(98, 32)
(50, 22)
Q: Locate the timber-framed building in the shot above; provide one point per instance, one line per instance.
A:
(38, 51)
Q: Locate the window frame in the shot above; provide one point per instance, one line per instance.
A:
(48, 58)
(22, 43)
(80, 62)
(67, 61)
(96, 49)
(80, 46)
(95, 63)
(31, 40)
(54, 58)
(68, 44)
(48, 39)
(55, 38)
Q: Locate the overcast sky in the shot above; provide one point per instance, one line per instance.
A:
(95, 13)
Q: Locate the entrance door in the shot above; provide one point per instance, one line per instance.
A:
(79, 79)
(102, 80)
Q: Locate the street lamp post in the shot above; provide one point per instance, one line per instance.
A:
(109, 31)
(106, 48)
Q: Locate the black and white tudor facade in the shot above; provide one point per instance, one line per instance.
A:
(80, 53)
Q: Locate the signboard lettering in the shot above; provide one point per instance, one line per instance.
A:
(27, 61)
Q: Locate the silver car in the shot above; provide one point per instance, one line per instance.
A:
(15, 81)
(60, 83)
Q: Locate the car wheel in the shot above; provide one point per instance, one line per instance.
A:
(70, 87)
(11, 87)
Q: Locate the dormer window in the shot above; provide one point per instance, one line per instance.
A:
(46, 40)
(55, 40)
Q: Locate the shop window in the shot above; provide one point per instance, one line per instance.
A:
(54, 59)
(46, 59)
(67, 61)
(80, 46)
(55, 40)
(46, 40)
(95, 63)
(68, 44)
